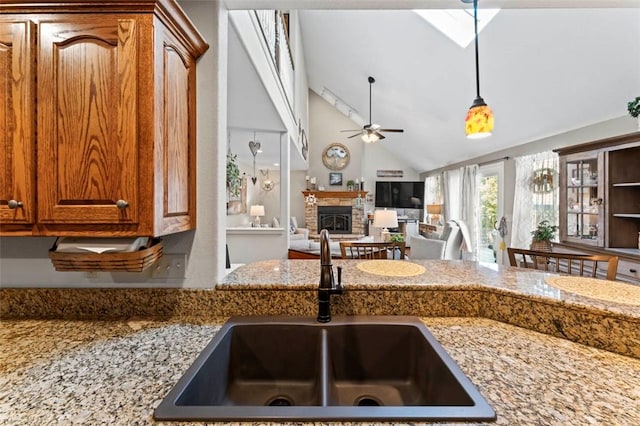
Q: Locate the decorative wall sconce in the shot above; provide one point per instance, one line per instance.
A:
(267, 184)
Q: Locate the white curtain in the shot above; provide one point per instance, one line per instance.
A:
(431, 193)
(470, 204)
(461, 201)
(530, 206)
(451, 194)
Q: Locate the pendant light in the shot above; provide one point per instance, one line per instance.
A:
(479, 120)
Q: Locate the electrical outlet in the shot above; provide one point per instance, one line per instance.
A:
(170, 266)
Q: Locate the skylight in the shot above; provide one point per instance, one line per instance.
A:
(457, 24)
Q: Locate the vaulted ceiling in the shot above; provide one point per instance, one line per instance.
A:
(543, 72)
(546, 67)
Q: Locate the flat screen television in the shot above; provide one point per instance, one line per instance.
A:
(398, 194)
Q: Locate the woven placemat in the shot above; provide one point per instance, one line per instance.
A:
(611, 291)
(391, 268)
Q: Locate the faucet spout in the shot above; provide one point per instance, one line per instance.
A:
(327, 285)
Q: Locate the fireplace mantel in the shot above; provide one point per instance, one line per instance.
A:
(335, 198)
(336, 194)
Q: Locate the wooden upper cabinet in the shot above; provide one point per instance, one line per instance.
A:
(115, 118)
(87, 127)
(17, 127)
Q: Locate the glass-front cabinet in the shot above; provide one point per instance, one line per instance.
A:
(599, 201)
(583, 198)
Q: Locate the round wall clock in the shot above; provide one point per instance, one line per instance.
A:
(336, 156)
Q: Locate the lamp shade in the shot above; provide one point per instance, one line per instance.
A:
(434, 208)
(385, 219)
(479, 120)
(370, 137)
(256, 210)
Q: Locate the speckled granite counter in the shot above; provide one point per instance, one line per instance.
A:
(117, 372)
(110, 370)
(288, 287)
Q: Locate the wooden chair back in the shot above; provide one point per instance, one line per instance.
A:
(360, 250)
(568, 263)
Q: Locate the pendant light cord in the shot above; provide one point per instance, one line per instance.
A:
(370, 83)
(475, 21)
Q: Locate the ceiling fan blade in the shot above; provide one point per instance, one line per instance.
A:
(353, 130)
(353, 136)
(391, 130)
(379, 135)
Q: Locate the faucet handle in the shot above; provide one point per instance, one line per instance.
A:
(338, 288)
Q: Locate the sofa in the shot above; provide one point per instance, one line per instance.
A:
(450, 245)
(295, 233)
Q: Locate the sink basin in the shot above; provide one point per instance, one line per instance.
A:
(352, 368)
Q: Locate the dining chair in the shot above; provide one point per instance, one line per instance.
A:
(568, 263)
(366, 250)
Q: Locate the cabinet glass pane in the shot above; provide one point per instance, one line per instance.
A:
(583, 200)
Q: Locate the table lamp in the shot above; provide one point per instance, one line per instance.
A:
(257, 211)
(434, 210)
(385, 219)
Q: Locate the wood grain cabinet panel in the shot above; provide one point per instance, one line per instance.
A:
(114, 115)
(17, 127)
(87, 128)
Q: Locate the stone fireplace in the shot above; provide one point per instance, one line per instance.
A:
(335, 219)
(347, 201)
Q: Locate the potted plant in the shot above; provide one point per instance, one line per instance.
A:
(234, 181)
(397, 238)
(350, 185)
(542, 236)
(634, 109)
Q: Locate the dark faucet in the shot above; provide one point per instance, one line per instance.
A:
(327, 285)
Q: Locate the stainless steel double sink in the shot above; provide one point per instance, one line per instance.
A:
(353, 368)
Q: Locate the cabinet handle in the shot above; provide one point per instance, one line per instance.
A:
(633, 270)
(599, 201)
(122, 204)
(13, 204)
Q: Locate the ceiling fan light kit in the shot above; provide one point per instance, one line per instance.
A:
(371, 132)
(479, 119)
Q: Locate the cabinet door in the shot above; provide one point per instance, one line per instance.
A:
(88, 122)
(17, 128)
(583, 199)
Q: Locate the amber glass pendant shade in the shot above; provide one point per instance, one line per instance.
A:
(479, 120)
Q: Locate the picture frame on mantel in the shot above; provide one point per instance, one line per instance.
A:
(335, 179)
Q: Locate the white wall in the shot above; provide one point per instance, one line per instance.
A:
(604, 129)
(325, 124)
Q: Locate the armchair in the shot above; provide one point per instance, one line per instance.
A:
(296, 233)
(449, 246)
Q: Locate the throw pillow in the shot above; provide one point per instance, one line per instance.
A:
(276, 222)
(294, 223)
(292, 229)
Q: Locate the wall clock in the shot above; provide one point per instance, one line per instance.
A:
(336, 156)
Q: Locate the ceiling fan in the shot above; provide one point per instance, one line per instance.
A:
(371, 132)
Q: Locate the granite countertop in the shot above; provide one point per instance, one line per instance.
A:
(439, 274)
(535, 351)
(117, 372)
